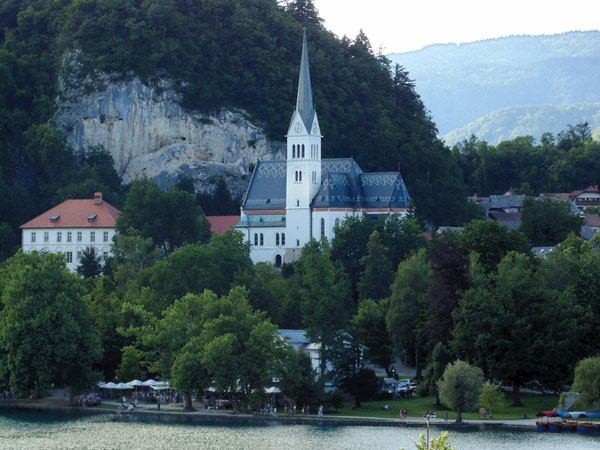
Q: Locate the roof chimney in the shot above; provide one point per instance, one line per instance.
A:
(97, 198)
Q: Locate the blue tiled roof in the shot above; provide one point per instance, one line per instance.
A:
(343, 184)
(261, 220)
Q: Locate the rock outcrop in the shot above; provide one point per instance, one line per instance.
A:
(150, 135)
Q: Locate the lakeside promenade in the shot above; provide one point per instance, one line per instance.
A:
(174, 414)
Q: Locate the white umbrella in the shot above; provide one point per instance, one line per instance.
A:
(135, 383)
(160, 388)
(109, 385)
(273, 390)
(122, 386)
(151, 383)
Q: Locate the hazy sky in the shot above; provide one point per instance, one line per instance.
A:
(399, 25)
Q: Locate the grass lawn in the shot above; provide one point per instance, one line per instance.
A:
(417, 406)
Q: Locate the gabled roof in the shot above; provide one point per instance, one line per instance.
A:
(79, 213)
(591, 220)
(221, 224)
(510, 220)
(343, 184)
(267, 186)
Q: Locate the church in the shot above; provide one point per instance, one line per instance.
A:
(290, 202)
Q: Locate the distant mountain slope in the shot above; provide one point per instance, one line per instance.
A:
(460, 83)
(510, 122)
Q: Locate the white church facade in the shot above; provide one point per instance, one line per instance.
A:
(290, 202)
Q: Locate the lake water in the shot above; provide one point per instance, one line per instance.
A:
(22, 430)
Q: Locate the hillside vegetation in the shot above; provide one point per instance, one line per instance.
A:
(460, 83)
(511, 122)
(218, 54)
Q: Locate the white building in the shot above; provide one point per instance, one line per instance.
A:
(289, 202)
(72, 226)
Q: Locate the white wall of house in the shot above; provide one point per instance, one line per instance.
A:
(69, 241)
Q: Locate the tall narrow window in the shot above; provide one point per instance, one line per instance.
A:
(105, 236)
(282, 238)
(69, 257)
(69, 236)
(59, 236)
(262, 239)
(303, 150)
(300, 176)
(79, 236)
(46, 236)
(33, 236)
(255, 239)
(297, 242)
(276, 238)
(92, 236)
(322, 227)
(293, 151)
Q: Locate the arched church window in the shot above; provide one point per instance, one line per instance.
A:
(296, 175)
(297, 242)
(282, 238)
(278, 261)
(293, 151)
(322, 227)
(255, 239)
(262, 239)
(300, 176)
(297, 202)
(303, 150)
(276, 238)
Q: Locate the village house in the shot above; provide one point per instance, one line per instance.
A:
(70, 227)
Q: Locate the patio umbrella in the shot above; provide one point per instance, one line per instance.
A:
(109, 385)
(135, 383)
(151, 383)
(122, 386)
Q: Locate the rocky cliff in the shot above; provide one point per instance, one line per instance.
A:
(150, 135)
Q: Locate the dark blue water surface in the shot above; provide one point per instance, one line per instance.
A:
(24, 430)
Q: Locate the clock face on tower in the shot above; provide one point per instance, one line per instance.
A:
(298, 127)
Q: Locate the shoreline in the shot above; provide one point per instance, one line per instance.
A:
(216, 417)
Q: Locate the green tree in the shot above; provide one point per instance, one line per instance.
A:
(406, 319)
(491, 241)
(368, 325)
(130, 367)
(376, 278)
(460, 387)
(587, 381)
(326, 299)
(90, 265)
(189, 373)
(437, 443)
(490, 397)
(440, 358)
(298, 378)
(548, 222)
(170, 218)
(46, 332)
(495, 323)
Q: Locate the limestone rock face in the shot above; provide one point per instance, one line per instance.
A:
(150, 135)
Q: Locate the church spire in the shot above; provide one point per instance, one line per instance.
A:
(304, 102)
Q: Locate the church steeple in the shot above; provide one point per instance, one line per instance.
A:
(304, 102)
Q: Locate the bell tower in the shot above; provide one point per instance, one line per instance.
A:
(303, 159)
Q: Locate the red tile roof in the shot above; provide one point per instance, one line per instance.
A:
(591, 220)
(76, 214)
(221, 224)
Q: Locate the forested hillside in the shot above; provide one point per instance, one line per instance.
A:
(217, 54)
(461, 83)
(535, 120)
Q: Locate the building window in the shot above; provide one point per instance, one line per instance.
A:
(59, 236)
(69, 236)
(33, 236)
(337, 222)
(302, 152)
(300, 176)
(293, 151)
(79, 236)
(322, 227)
(46, 236)
(78, 256)
(297, 242)
(296, 175)
(282, 238)
(105, 238)
(276, 238)
(297, 202)
(104, 256)
(69, 257)
(255, 239)
(92, 236)
(262, 239)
